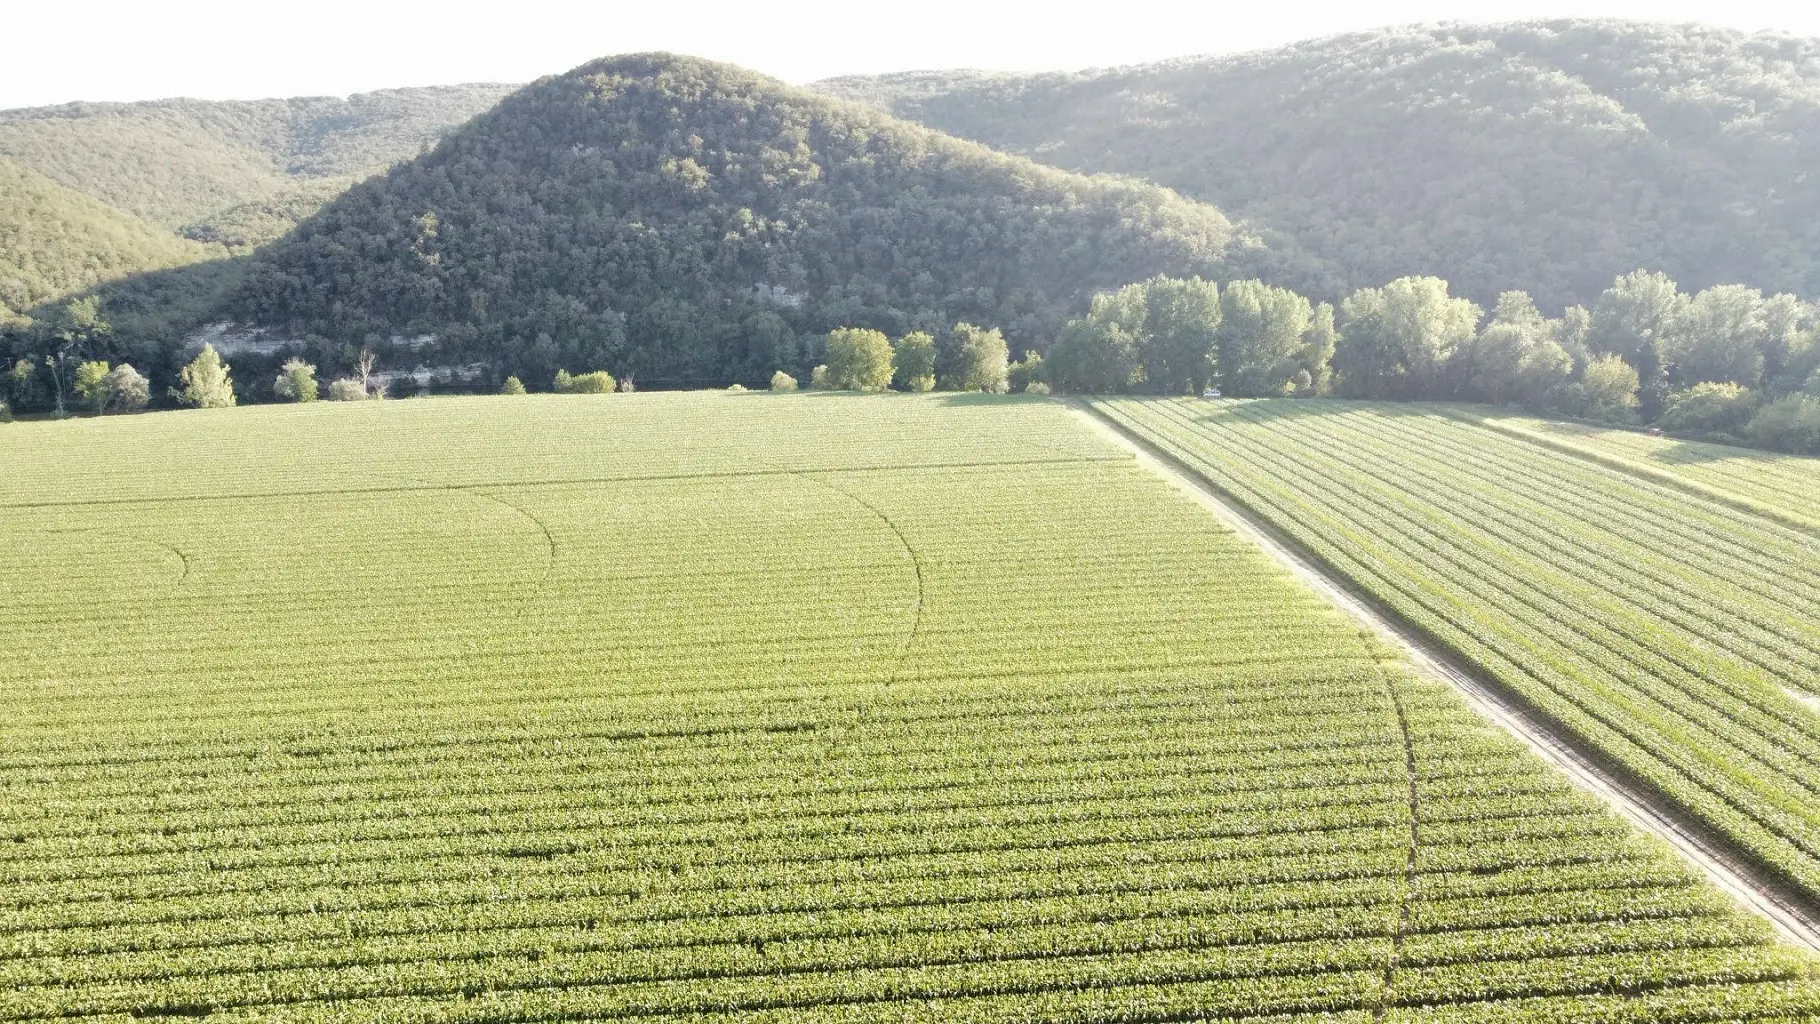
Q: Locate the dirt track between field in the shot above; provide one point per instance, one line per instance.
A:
(1794, 919)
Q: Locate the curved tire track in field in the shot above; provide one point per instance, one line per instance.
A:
(1409, 864)
(175, 550)
(1793, 917)
(549, 539)
(916, 564)
(182, 556)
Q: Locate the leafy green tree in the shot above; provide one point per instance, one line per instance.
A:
(1094, 355)
(1711, 407)
(1314, 375)
(24, 385)
(1640, 307)
(1788, 424)
(758, 217)
(90, 384)
(1260, 337)
(296, 382)
(78, 327)
(858, 360)
(1180, 332)
(1783, 339)
(913, 362)
(1025, 372)
(127, 389)
(1397, 341)
(781, 381)
(347, 389)
(1722, 335)
(563, 383)
(1606, 390)
(1545, 156)
(980, 360)
(1516, 357)
(512, 386)
(597, 382)
(204, 383)
(818, 378)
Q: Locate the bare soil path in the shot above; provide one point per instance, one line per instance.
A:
(1795, 920)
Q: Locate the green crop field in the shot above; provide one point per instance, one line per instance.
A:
(1784, 486)
(1670, 631)
(760, 708)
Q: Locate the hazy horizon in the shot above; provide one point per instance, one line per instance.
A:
(209, 49)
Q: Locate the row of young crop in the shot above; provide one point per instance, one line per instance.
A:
(1760, 613)
(1767, 587)
(1559, 639)
(976, 744)
(234, 673)
(1629, 907)
(487, 441)
(1785, 486)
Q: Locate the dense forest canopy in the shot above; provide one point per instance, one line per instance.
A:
(1547, 156)
(678, 219)
(191, 164)
(92, 192)
(55, 241)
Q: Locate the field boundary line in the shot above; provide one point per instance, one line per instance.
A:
(1666, 477)
(478, 485)
(1792, 917)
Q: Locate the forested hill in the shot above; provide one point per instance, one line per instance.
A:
(54, 240)
(198, 166)
(1545, 156)
(136, 186)
(686, 220)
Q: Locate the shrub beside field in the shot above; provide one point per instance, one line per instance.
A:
(745, 707)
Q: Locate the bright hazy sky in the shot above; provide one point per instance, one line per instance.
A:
(61, 50)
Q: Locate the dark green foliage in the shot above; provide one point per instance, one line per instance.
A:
(695, 223)
(1789, 424)
(1398, 341)
(1098, 353)
(1180, 320)
(1547, 156)
(1711, 408)
(1260, 338)
(54, 241)
(204, 168)
(858, 360)
(1517, 357)
(1025, 372)
(913, 362)
(980, 360)
(93, 192)
(1158, 335)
